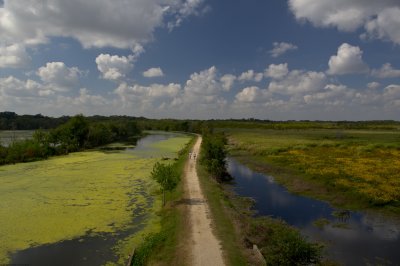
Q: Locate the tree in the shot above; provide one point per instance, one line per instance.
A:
(214, 155)
(166, 176)
(98, 134)
(70, 136)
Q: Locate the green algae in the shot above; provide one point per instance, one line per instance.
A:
(66, 197)
(168, 147)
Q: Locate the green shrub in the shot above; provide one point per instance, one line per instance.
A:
(282, 244)
(143, 252)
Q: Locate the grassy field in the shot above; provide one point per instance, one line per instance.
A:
(350, 168)
(66, 197)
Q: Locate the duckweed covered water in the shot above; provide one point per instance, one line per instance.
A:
(85, 196)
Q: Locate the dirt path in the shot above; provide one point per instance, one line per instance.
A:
(203, 246)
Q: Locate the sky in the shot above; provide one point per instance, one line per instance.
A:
(202, 59)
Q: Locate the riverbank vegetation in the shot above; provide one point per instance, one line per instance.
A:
(350, 168)
(238, 229)
(75, 135)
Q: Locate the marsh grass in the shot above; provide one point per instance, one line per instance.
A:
(352, 168)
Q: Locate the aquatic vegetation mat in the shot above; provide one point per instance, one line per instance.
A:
(84, 193)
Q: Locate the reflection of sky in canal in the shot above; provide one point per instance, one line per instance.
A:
(366, 238)
(273, 199)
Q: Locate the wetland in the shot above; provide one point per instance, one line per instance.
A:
(89, 207)
(349, 238)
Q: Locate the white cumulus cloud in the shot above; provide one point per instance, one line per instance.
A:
(297, 82)
(386, 71)
(13, 56)
(348, 60)
(228, 81)
(11, 86)
(202, 93)
(203, 83)
(330, 95)
(386, 25)
(281, 47)
(148, 98)
(153, 72)
(277, 71)
(392, 92)
(251, 75)
(380, 19)
(101, 23)
(188, 8)
(59, 76)
(373, 85)
(113, 67)
(250, 95)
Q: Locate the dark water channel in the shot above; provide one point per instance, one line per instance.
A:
(351, 238)
(93, 249)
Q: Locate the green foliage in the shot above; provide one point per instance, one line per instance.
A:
(213, 155)
(71, 136)
(12, 121)
(99, 134)
(166, 176)
(76, 134)
(282, 244)
(145, 249)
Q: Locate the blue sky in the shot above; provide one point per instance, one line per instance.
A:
(276, 59)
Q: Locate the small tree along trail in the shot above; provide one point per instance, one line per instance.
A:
(204, 247)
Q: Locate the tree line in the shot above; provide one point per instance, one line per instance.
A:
(76, 134)
(13, 121)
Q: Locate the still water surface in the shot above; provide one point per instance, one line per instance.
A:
(353, 239)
